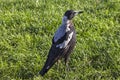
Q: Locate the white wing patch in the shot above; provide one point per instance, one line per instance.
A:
(68, 29)
(65, 43)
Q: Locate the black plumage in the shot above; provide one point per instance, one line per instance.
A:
(63, 41)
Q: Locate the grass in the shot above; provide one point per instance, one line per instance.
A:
(27, 28)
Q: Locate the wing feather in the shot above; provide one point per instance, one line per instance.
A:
(53, 56)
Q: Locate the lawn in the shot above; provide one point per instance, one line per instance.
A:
(27, 28)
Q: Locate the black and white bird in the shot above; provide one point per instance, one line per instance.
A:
(63, 41)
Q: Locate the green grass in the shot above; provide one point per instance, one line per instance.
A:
(27, 28)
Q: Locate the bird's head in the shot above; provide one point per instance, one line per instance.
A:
(70, 14)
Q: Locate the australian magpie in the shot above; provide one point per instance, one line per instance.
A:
(63, 41)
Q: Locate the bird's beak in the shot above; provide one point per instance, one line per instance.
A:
(78, 12)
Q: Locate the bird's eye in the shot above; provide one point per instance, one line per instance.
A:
(74, 13)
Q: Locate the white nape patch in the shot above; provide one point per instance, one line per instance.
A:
(64, 19)
(65, 43)
(67, 23)
(60, 33)
(62, 29)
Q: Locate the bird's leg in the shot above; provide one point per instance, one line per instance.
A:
(66, 63)
(58, 65)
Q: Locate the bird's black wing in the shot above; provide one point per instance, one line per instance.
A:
(55, 53)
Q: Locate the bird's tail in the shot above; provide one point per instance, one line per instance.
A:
(52, 58)
(46, 67)
(43, 71)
